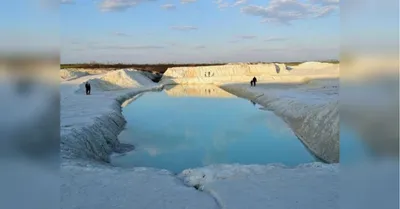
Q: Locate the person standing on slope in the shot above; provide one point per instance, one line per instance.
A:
(87, 87)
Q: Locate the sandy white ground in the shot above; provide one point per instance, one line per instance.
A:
(89, 129)
(314, 185)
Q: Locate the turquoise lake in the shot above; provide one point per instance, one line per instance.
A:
(180, 132)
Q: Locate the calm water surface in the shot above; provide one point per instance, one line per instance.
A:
(176, 133)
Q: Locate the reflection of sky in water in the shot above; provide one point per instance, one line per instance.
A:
(352, 148)
(176, 133)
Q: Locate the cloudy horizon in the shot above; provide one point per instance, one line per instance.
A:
(193, 31)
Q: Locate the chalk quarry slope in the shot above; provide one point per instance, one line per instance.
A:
(90, 124)
(89, 129)
(234, 73)
(310, 109)
(118, 80)
(69, 74)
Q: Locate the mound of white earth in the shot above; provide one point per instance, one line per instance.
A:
(118, 80)
(316, 65)
(241, 72)
(71, 74)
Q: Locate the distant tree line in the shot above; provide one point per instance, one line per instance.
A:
(161, 68)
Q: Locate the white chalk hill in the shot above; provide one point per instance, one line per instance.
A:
(71, 74)
(238, 73)
(222, 73)
(118, 80)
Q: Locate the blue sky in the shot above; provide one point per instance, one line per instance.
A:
(181, 31)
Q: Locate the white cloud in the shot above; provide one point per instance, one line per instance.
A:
(239, 2)
(67, 1)
(184, 28)
(168, 6)
(323, 11)
(121, 34)
(270, 39)
(242, 38)
(221, 4)
(286, 11)
(120, 5)
(138, 47)
(187, 1)
(224, 4)
(199, 47)
(325, 2)
(247, 37)
(233, 41)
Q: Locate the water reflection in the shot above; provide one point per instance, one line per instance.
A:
(196, 91)
(127, 102)
(177, 133)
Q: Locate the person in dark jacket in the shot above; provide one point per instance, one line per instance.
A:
(87, 87)
(253, 81)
